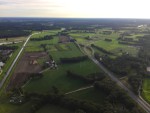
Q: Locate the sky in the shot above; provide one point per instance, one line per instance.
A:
(75, 8)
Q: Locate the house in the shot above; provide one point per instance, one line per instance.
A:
(148, 69)
(1, 64)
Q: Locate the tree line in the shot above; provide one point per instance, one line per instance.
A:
(88, 78)
(74, 59)
(5, 47)
(132, 67)
(13, 33)
(101, 49)
(46, 37)
(117, 101)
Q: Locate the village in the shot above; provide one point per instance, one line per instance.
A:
(4, 55)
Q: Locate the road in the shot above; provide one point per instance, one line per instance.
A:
(17, 57)
(138, 99)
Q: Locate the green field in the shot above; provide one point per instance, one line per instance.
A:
(98, 38)
(14, 39)
(36, 45)
(59, 79)
(91, 95)
(53, 109)
(146, 89)
(117, 48)
(66, 51)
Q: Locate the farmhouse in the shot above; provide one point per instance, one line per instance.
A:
(148, 69)
(1, 65)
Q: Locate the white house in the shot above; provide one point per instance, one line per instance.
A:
(148, 69)
(1, 65)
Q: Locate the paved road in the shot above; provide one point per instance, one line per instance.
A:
(12, 65)
(137, 99)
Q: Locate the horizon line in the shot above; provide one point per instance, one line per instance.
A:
(80, 18)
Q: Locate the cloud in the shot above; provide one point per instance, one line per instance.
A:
(6, 3)
(75, 8)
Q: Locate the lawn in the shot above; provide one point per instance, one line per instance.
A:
(146, 89)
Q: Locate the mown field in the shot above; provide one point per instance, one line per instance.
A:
(117, 48)
(98, 39)
(91, 95)
(58, 77)
(33, 46)
(146, 89)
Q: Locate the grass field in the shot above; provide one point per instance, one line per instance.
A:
(59, 79)
(46, 32)
(6, 107)
(117, 48)
(92, 95)
(53, 109)
(36, 45)
(68, 50)
(15, 39)
(146, 89)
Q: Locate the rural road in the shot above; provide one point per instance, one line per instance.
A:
(138, 99)
(141, 102)
(12, 65)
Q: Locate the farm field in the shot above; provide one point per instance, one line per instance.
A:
(59, 69)
(90, 95)
(98, 39)
(116, 48)
(65, 51)
(14, 39)
(59, 78)
(27, 65)
(33, 46)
